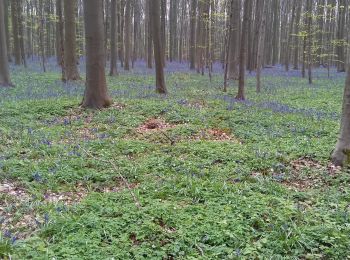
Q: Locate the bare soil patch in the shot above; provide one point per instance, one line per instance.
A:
(154, 125)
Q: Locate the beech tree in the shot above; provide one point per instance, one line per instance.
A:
(341, 153)
(158, 53)
(113, 69)
(243, 49)
(127, 34)
(96, 95)
(4, 69)
(15, 12)
(70, 71)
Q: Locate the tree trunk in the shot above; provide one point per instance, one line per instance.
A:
(163, 28)
(70, 57)
(289, 35)
(193, 19)
(59, 34)
(341, 153)
(6, 15)
(15, 31)
(127, 34)
(113, 69)
(296, 36)
(234, 40)
(41, 35)
(243, 51)
(156, 30)
(309, 36)
(4, 69)
(148, 35)
(95, 96)
(260, 47)
(341, 37)
(276, 30)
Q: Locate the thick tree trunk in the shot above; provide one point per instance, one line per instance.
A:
(95, 96)
(4, 69)
(70, 57)
(156, 30)
(243, 51)
(113, 68)
(341, 153)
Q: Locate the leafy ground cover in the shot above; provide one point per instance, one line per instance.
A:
(192, 175)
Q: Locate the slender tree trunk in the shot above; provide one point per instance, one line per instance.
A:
(309, 29)
(41, 35)
(15, 31)
(233, 62)
(127, 34)
(341, 37)
(70, 57)
(149, 36)
(260, 47)
(6, 16)
(276, 29)
(296, 36)
(341, 153)
(95, 96)
(289, 36)
(4, 69)
(155, 21)
(113, 69)
(59, 33)
(163, 28)
(193, 19)
(243, 51)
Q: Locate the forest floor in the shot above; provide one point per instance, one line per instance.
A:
(193, 175)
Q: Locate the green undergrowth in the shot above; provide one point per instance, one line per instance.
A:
(216, 179)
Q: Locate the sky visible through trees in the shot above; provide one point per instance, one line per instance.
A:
(174, 129)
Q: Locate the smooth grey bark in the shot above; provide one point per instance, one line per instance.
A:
(260, 47)
(193, 19)
(15, 31)
(235, 21)
(341, 37)
(341, 153)
(4, 69)
(95, 96)
(113, 66)
(156, 30)
(248, 5)
(127, 34)
(70, 58)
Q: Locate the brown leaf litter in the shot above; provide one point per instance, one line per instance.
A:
(18, 216)
(154, 125)
(309, 181)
